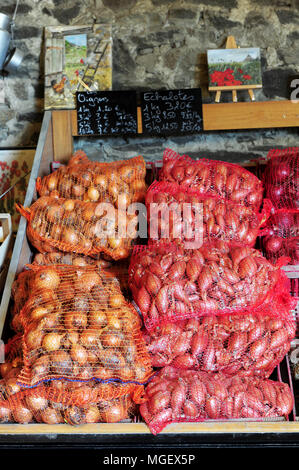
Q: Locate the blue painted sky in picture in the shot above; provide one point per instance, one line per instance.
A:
(216, 56)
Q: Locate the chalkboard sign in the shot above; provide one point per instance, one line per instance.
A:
(106, 112)
(167, 112)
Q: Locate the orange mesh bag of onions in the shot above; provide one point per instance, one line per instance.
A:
(12, 366)
(81, 227)
(281, 178)
(78, 326)
(178, 213)
(73, 403)
(174, 396)
(19, 296)
(243, 344)
(118, 182)
(58, 394)
(170, 283)
(59, 257)
(118, 269)
(282, 238)
(212, 177)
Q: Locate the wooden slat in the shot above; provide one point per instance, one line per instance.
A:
(62, 135)
(234, 87)
(250, 115)
(74, 124)
(226, 427)
(139, 120)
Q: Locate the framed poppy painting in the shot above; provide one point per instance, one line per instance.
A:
(234, 69)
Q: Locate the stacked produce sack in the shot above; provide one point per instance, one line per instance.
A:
(78, 355)
(281, 179)
(217, 318)
(71, 216)
(62, 401)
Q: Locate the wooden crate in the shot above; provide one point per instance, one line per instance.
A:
(49, 149)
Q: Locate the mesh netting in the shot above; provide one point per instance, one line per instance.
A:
(19, 296)
(78, 326)
(169, 283)
(58, 257)
(119, 270)
(251, 344)
(72, 404)
(172, 210)
(190, 396)
(212, 177)
(283, 235)
(93, 181)
(82, 227)
(58, 394)
(281, 178)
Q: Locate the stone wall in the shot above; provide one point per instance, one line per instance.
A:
(157, 44)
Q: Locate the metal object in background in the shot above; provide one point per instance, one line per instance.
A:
(5, 38)
(10, 56)
(14, 60)
(4, 21)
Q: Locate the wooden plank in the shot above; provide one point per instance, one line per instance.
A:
(62, 135)
(250, 115)
(139, 120)
(234, 87)
(74, 125)
(224, 427)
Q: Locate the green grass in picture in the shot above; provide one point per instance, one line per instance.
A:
(74, 53)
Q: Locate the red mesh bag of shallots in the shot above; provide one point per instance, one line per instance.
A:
(87, 228)
(244, 344)
(169, 283)
(119, 182)
(281, 178)
(282, 237)
(212, 177)
(175, 396)
(178, 213)
(78, 326)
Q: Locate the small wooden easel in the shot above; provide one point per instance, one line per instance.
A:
(231, 44)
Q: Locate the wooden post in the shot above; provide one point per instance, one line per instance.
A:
(139, 120)
(62, 135)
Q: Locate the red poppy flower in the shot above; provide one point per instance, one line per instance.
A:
(247, 77)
